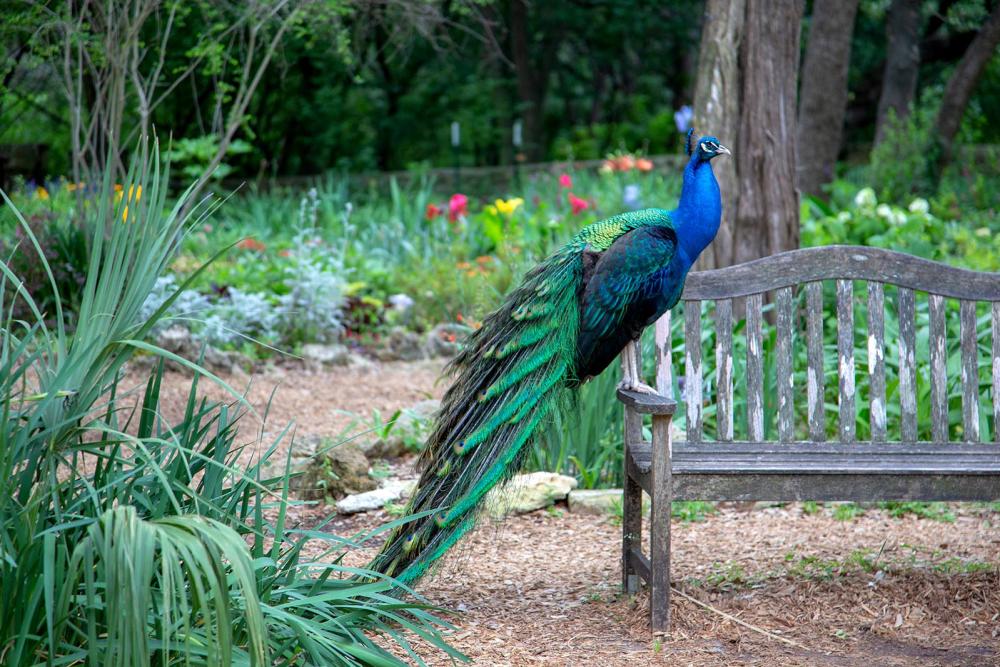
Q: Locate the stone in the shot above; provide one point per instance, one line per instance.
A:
(326, 355)
(400, 345)
(408, 433)
(325, 470)
(390, 491)
(445, 340)
(178, 340)
(594, 501)
(529, 492)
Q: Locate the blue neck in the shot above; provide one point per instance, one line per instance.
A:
(699, 210)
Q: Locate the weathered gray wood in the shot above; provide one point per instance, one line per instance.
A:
(647, 404)
(938, 353)
(755, 368)
(693, 389)
(970, 372)
(659, 543)
(784, 379)
(845, 357)
(662, 338)
(640, 564)
(815, 381)
(632, 493)
(996, 371)
(876, 360)
(907, 366)
(724, 369)
(749, 486)
(842, 263)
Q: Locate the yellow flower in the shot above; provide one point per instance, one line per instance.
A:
(41, 193)
(136, 190)
(125, 214)
(508, 207)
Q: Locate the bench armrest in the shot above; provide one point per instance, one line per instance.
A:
(647, 404)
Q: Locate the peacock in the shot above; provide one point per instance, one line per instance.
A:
(566, 322)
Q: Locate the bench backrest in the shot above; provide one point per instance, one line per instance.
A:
(926, 300)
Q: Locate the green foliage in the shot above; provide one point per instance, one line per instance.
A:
(903, 163)
(131, 540)
(847, 511)
(192, 156)
(933, 511)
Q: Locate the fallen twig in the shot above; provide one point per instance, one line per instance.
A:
(732, 618)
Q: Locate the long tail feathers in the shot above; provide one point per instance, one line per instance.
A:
(510, 375)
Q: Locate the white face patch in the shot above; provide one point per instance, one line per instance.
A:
(709, 147)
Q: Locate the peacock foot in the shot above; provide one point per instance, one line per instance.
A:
(637, 386)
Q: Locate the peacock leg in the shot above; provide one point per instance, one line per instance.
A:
(632, 380)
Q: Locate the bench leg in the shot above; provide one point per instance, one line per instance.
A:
(631, 508)
(659, 553)
(631, 532)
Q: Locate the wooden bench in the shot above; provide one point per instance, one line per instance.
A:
(778, 458)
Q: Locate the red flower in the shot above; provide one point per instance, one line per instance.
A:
(576, 204)
(458, 205)
(565, 181)
(433, 211)
(250, 243)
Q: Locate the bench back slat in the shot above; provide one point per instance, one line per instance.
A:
(724, 364)
(755, 368)
(970, 372)
(692, 370)
(845, 358)
(996, 370)
(876, 360)
(815, 380)
(664, 354)
(907, 365)
(783, 351)
(939, 360)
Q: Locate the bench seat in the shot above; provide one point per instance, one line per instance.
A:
(861, 472)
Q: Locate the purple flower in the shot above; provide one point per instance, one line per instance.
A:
(632, 197)
(682, 118)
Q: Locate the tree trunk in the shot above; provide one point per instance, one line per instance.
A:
(717, 110)
(823, 98)
(961, 84)
(530, 81)
(902, 63)
(767, 215)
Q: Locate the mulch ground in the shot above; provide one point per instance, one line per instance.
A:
(544, 588)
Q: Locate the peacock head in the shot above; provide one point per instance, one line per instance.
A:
(706, 148)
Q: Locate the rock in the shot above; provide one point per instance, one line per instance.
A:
(409, 432)
(326, 355)
(177, 339)
(390, 491)
(594, 501)
(445, 340)
(325, 470)
(529, 492)
(401, 345)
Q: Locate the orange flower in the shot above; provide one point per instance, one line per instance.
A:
(250, 243)
(644, 164)
(433, 211)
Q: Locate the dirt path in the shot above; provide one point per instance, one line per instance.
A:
(543, 589)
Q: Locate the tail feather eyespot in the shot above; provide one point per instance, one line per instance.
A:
(441, 518)
(460, 448)
(445, 469)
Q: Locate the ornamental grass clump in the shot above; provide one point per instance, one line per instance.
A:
(126, 539)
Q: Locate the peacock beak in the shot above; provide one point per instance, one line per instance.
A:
(722, 149)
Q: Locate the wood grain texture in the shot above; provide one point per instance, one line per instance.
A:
(970, 371)
(907, 366)
(724, 369)
(631, 497)
(939, 349)
(664, 373)
(996, 371)
(815, 380)
(693, 389)
(784, 377)
(876, 361)
(842, 263)
(659, 542)
(755, 368)
(845, 357)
